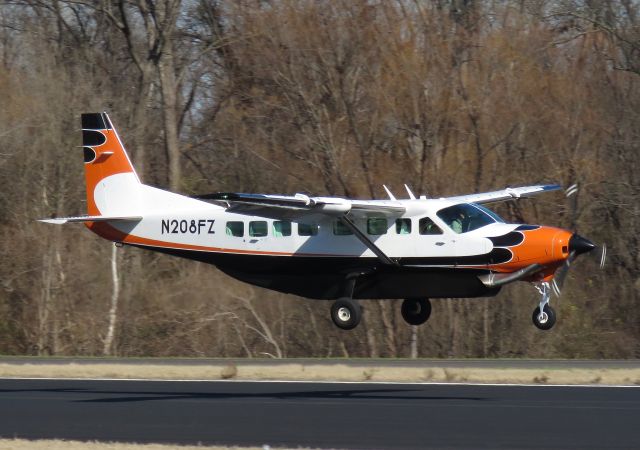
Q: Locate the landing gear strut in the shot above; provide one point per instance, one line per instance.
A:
(544, 317)
(416, 311)
(346, 313)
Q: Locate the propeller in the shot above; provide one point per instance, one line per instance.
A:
(578, 246)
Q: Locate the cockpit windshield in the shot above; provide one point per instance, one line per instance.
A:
(467, 217)
(495, 216)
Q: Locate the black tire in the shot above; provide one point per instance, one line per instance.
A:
(346, 313)
(416, 311)
(551, 318)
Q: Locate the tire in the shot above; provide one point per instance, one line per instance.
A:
(416, 311)
(346, 313)
(551, 318)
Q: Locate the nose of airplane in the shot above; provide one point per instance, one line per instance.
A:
(579, 245)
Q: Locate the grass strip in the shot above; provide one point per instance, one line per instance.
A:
(328, 372)
(58, 444)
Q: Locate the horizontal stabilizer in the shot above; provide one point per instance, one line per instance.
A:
(82, 219)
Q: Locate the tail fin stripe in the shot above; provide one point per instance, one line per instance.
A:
(93, 138)
(89, 154)
(95, 121)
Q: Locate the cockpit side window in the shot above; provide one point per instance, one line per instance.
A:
(426, 226)
(465, 217)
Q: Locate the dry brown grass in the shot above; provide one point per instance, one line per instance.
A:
(55, 444)
(325, 372)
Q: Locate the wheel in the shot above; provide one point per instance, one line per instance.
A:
(346, 313)
(416, 311)
(548, 319)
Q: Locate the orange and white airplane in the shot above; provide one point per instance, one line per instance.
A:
(330, 247)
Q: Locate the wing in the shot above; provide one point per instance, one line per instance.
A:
(505, 194)
(301, 205)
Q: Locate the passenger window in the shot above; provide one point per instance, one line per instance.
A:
(307, 229)
(426, 226)
(235, 229)
(377, 226)
(340, 229)
(258, 228)
(403, 226)
(281, 228)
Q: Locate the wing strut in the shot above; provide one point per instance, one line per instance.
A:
(366, 241)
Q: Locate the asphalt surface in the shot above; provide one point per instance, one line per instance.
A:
(322, 415)
(364, 362)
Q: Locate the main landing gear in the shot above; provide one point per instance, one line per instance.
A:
(544, 317)
(416, 311)
(346, 312)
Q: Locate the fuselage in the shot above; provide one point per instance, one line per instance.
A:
(440, 246)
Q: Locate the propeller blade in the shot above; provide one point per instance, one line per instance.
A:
(561, 273)
(601, 254)
(573, 189)
(577, 246)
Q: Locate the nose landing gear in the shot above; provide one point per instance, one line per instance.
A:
(544, 317)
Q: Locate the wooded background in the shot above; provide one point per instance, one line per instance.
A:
(328, 97)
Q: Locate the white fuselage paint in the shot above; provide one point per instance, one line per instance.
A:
(126, 196)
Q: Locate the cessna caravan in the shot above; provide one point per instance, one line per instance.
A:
(330, 248)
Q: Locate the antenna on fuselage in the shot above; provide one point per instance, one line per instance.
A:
(391, 196)
(411, 196)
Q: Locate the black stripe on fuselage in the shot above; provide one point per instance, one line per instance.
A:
(325, 277)
(508, 240)
(527, 227)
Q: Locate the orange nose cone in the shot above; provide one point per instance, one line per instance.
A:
(560, 245)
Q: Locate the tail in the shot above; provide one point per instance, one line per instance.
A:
(116, 199)
(113, 187)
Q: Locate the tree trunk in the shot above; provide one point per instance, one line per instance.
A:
(371, 337)
(168, 88)
(138, 122)
(113, 311)
(414, 342)
(389, 328)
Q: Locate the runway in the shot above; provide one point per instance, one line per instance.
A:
(322, 415)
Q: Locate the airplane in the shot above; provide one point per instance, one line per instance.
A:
(331, 248)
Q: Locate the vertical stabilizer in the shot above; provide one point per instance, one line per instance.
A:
(112, 183)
